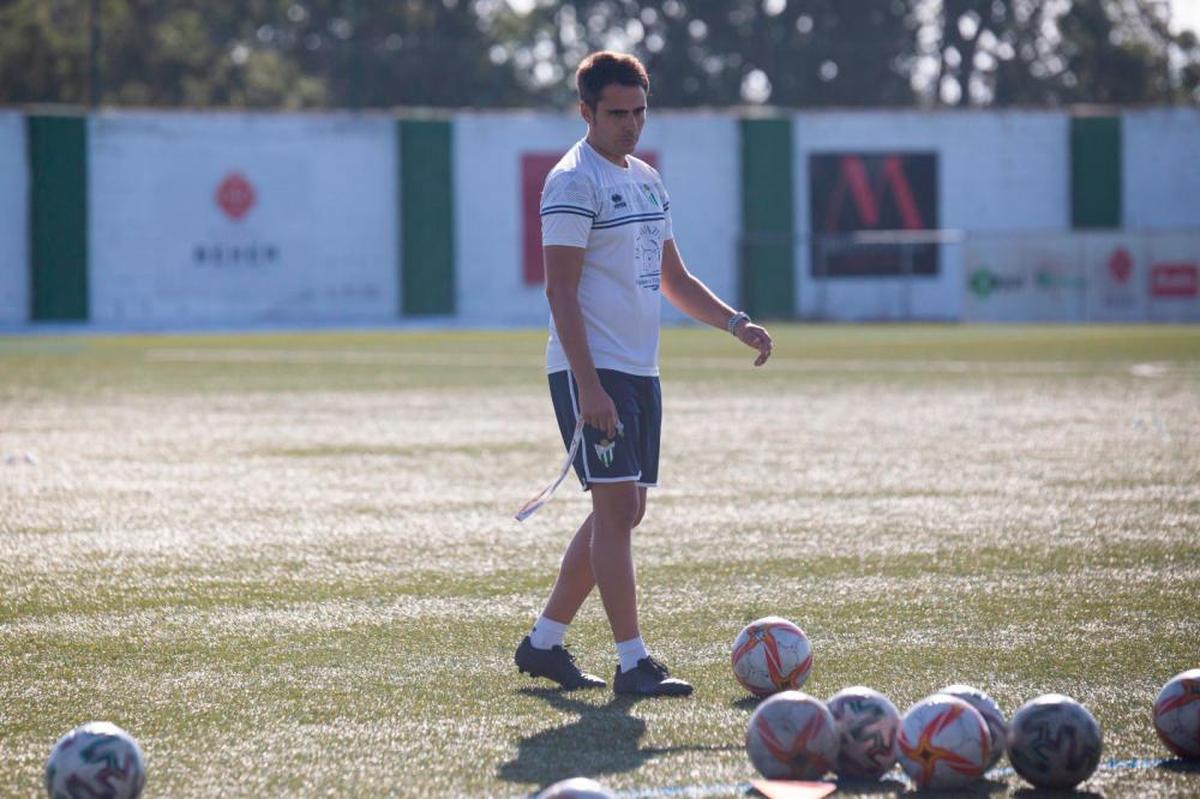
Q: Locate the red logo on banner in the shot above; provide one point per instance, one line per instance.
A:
(855, 180)
(1120, 265)
(1175, 280)
(534, 168)
(235, 196)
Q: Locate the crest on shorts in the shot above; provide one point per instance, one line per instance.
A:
(605, 446)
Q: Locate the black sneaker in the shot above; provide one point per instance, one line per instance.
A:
(555, 664)
(649, 678)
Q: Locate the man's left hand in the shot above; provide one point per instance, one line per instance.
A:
(757, 338)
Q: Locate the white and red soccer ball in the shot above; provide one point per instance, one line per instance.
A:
(1177, 714)
(96, 759)
(992, 716)
(943, 743)
(1054, 742)
(868, 725)
(771, 654)
(576, 788)
(792, 736)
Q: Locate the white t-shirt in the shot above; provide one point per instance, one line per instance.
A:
(621, 217)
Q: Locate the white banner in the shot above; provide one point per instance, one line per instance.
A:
(14, 210)
(230, 219)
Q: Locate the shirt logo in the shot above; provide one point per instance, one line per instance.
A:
(619, 201)
(650, 194)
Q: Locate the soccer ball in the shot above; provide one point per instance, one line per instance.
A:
(792, 736)
(987, 707)
(96, 759)
(1177, 714)
(867, 723)
(771, 655)
(576, 788)
(1054, 742)
(943, 743)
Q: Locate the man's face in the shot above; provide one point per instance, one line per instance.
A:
(616, 123)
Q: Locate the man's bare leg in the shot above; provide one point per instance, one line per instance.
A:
(575, 580)
(615, 510)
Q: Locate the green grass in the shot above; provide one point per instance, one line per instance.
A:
(286, 562)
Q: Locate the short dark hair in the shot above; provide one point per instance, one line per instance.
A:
(604, 68)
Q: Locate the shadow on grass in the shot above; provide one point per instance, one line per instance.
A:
(747, 702)
(850, 786)
(979, 788)
(604, 739)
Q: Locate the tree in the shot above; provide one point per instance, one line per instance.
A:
(1054, 52)
(522, 53)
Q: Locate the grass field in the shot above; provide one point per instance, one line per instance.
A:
(287, 563)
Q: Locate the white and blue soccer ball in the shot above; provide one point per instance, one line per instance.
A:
(944, 743)
(576, 788)
(1054, 742)
(992, 715)
(97, 760)
(792, 736)
(1177, 714)
(867, 724)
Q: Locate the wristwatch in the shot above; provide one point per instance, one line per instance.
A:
(735, 320)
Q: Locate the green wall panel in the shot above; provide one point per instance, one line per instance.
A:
(58, 218)
(1096, 172)
(768, 276)
(427, 217)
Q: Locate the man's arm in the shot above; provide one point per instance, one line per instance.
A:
(564, 267)
(687, 293)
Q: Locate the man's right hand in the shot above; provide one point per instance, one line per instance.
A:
(598, 409)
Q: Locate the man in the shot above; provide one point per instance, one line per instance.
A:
(608, 249)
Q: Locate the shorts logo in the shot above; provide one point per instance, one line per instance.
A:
(604, 447)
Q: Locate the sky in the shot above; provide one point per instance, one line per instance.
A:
(1186, 14)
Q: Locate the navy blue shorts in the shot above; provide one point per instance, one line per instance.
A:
(633, 455)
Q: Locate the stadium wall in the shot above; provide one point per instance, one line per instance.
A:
(162, 219)
(14, 210)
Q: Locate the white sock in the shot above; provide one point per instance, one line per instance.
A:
(547, 633)
(630, 652)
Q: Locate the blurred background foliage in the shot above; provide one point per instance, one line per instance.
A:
(522, 53)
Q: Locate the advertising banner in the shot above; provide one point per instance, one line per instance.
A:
(14, 210)
(218, 219)
(858, 192)
(998, 287)
(1173, 262)
(1117, 276)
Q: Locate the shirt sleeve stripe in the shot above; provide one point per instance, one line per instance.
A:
(570, 209)
(625, 220)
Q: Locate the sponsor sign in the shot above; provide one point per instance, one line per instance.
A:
(861, 192)
(1174, 280)
(534, 169)
(1115, 295)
